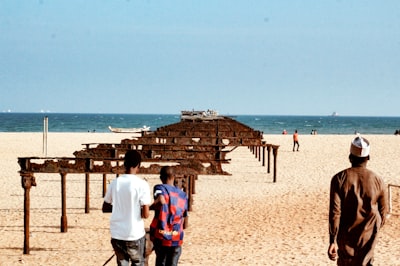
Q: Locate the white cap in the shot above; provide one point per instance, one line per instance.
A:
(359, 147)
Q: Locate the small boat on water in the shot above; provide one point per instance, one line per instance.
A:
(199, 115)
(128, 130)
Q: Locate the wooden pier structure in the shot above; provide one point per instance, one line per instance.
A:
(194, 146)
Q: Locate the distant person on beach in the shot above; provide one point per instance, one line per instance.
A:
(128, 199)
(166, 229)
(284, 132)
(296, 140)
(357, 209)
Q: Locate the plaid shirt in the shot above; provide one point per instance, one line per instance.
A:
(166, 228)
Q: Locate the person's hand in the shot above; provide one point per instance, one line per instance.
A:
(332, 251)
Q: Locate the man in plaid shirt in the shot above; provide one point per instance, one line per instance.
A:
(166, 230)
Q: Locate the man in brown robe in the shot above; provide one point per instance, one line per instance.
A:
(357, 210)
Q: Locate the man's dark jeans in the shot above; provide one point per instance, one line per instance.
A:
(167, 256)
(126, 251)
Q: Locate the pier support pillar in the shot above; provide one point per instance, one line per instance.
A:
(27, 181)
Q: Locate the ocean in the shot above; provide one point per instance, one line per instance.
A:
(268, 124)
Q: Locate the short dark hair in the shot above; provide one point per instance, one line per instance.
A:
(132, 159)
(358, 160)
(166, 172)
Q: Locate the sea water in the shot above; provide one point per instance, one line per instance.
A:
(268, 124)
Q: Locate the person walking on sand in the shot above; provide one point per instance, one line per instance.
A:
(166, 229)
(357, 209)
(128, 199)
(296, 140)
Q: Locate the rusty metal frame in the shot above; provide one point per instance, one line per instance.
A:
(196, 146)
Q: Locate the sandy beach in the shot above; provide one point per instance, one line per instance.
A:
(241, 219)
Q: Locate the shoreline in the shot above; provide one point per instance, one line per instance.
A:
(269, 124)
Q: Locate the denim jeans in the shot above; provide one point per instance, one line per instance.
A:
(167, 256)
(126, 251)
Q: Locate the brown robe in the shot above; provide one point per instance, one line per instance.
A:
(357, 210)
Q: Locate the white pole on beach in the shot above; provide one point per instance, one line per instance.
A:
(45, 130)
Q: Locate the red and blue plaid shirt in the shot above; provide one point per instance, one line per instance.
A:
(166, 228)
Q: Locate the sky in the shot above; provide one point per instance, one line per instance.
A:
(265, 57)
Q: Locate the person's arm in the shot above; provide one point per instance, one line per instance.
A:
(158, 197)
(107, 207)
(332, 251)
(160, 200)
(107, 203)
(383, 204)
(145, 200)
(145, 211)
(334, 218)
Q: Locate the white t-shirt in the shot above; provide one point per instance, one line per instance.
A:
(127, 194)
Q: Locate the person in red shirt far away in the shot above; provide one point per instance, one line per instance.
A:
(296, 140)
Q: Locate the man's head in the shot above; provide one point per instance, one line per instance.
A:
(359, 150)
(166, 173)
(132, 159)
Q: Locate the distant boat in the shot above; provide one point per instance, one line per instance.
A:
(128, 130)
(335, 114)
(199, 115)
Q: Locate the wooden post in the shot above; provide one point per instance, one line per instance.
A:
(27, 181)
(269, 159)
(185, 222)
(27, 205)
(390, 198)
(275, 151)
(64, 226)
(104, 184)
(193, 183)
(189, 184)
(263, 153)
(259, 153)
(87, 193)
(88, 168)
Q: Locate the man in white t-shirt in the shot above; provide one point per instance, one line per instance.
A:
(128, 199)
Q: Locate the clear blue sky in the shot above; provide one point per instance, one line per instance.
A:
(289, 57)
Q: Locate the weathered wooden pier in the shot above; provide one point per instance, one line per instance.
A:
(195, 146)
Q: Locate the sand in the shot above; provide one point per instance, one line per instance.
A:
(241, 219)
